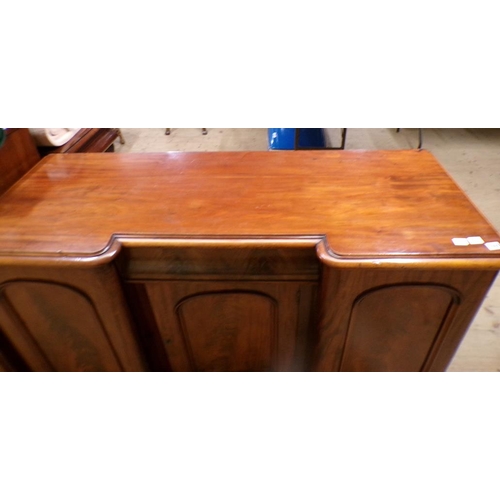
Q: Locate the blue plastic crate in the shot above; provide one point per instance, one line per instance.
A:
(284, 138)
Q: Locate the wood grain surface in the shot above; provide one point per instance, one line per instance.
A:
(367, 203)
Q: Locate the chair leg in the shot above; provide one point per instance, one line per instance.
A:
(344, 135)
(167, 131)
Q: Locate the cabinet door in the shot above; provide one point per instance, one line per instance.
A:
(230, 326)
(395, 319)
(393, 328)
(64, 318)
(55, 328)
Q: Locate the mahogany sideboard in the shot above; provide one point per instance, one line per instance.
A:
(239, 261)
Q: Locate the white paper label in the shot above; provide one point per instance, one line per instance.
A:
(475, 240)
(460, 242)
(493, 245)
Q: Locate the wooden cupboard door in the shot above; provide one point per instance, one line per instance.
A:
(231, 326)
(55, 327)
(394, 327)
(395, 319)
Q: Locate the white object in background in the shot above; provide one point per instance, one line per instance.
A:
(52, 136)
(493, 245)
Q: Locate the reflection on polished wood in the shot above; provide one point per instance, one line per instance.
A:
(292, 260)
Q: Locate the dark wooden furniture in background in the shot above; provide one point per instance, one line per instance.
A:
(17, 156)
(20, 152)
(88, 140)
(280, 260)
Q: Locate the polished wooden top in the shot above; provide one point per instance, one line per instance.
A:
(367, 203)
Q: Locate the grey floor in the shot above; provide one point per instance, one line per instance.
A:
(471, 157)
